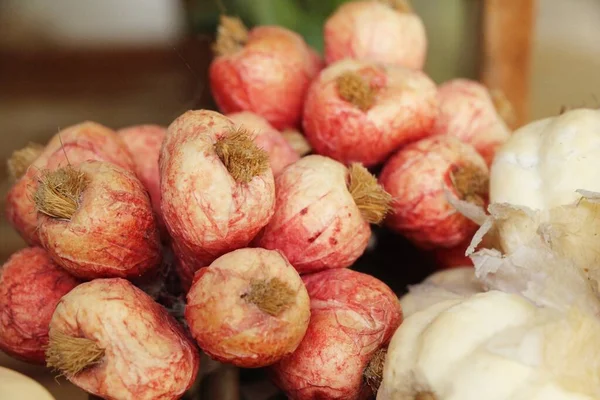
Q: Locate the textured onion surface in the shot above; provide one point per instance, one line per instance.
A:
(416, 177)
(281, 154)
(31, 285)
(147, 355)
(207, 212)
(74, 144)
(144, 143)
(467, 112)
(226, 318)
(268, 76)
(317, 224)
(372, 31)
(113, 233)
(404, 109)
(352, 316)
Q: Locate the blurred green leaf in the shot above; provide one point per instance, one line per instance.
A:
(306, 17)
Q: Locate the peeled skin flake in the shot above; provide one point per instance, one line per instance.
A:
(31, 285)
(217, 188)
(360, 111)
(249, 308)
(112, 340)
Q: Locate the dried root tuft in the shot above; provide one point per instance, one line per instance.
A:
(70, 355)
(232, 35)
(59, 192)
(354, 89)
(21, 159)
(373, 374)
(272, 297)
(370, 197)
(471, 182)
(242, 157)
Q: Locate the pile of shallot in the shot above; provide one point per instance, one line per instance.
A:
(232, 233)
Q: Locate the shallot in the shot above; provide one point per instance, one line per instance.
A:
(95, 220)
(382, 31)
(112, 340)
(217, 188)
(84, 141)
(359, 111)
(323, 213)
(420, 176)
(266, 70)
(353, 317)
(31, 285)
(248, 308)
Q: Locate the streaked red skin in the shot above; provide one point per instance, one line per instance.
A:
(234, 331)
(144, 143)
(206, 211)
(76, 143)
(268, 76)
(415, 177)
(112, 234)
(404, 111)
(373, 31)
(148, 355)
(281, 154)
(30, 287)
(352, 316)
(467, 112)
(316, 225)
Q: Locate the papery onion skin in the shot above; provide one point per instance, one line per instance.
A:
(372, 31)
(31, 285)
(316, 224)
(404, 110)
(352, 316)
(231, 326)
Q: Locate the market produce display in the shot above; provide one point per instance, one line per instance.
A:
(234, 234)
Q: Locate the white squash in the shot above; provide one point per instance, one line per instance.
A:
(544, 163)
(534, 335)
(447, 284)
(544, 185)
(493, 346)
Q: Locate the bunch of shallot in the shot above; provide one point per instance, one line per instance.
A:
(233, 233)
